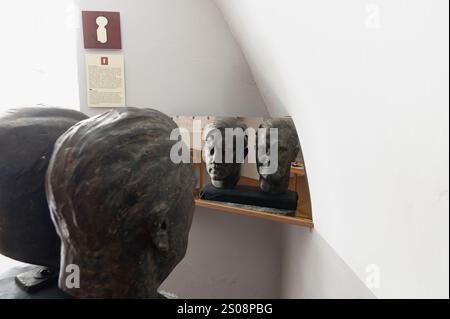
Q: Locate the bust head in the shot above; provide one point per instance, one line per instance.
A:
(288, 149)
(122, 208)
(27, 137)
(225, 172)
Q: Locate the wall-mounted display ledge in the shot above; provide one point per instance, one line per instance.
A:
(224, 207)
(298, 183)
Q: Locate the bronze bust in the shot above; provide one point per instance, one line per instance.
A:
(288, 149)
(27, 137)
(122, 208)
(224, 174)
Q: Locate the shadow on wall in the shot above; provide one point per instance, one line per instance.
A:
(229, 257)
(316, 271)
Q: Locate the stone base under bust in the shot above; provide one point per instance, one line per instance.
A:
(251, 195)
(10, 290)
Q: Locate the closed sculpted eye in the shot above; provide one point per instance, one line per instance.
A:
(209, 148)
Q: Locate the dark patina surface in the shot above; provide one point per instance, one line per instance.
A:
(122, 208)
(27, 137)
(288, 149)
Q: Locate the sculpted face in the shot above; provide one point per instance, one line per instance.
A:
(120, 204)
(217, 169)
(27, 137)
(288, 149)
(224, 173)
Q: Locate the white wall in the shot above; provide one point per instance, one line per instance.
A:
(180, 58)
(367, 85)
(310, 269)
(38, 54)
(229, 256)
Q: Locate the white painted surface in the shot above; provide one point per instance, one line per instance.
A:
(371, 108)
(180, 58)
(38, 54)
(229, 256)
(312, 270)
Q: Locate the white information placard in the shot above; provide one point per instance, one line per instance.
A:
(105, 80)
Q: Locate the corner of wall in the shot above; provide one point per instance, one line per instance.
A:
(312, 269)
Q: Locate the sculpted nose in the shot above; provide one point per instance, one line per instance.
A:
(264, 160)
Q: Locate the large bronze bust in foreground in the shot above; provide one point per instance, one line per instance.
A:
(27, 137)
(122, 208)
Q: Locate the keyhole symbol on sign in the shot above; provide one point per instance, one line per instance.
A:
(102, 33)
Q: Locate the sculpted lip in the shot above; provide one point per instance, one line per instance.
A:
(216, 172)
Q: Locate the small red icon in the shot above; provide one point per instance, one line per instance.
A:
(104, 60)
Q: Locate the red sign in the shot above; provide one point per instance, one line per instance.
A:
(104, 60)
(101, 30)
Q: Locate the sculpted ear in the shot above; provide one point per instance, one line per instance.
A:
(161, 235)
(246, 146)
(160, 231)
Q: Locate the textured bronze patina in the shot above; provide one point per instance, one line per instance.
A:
(27, 137)
(122, 208)
(222, 174)
(288, 149)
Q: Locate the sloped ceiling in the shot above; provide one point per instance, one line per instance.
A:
(367, 85)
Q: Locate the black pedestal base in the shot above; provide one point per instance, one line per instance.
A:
(250, 195)
(10, 290)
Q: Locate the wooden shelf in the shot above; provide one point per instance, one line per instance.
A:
(298, 171)
(253, 213)
(303, 215)
(298, 183)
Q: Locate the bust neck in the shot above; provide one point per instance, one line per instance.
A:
(269, 186)
(107, 275)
